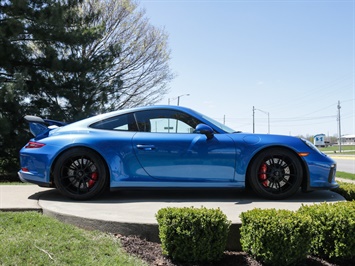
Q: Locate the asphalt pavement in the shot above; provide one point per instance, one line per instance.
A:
(345, 163)
(132, 212)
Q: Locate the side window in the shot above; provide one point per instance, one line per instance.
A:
(165, 121)
(124, 122)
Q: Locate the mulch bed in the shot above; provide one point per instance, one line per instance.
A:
(151, 253)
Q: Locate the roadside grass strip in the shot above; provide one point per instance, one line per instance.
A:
(30, 238)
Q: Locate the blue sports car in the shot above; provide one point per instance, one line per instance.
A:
(168, 147)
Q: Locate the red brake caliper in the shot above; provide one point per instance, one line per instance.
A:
(93, 179)
(262, 175)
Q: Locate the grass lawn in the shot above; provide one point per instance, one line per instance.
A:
(345, 175)
(30, 238)
(348, 149)
(14, 183)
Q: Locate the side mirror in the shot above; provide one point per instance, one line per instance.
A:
(204, 129)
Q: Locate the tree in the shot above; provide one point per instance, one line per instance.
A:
(86, 57)
(37, 38)
(68, 59)
(44, 49)
(126, 65)
(11, 138)
(142, 64)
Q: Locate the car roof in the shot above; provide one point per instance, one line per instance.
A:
(96, 118)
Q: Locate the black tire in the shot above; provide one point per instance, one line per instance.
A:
(275, 173)
(80, 174)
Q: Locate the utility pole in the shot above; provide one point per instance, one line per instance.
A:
(339, 126)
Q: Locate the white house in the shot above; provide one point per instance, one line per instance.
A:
(348, 140)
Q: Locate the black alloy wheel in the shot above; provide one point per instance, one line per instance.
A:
(80, 174)
(275, 173)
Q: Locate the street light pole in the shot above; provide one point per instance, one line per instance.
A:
(268, 119)
(178, 103)
(339, 126)
(178, 99)
(253, 119)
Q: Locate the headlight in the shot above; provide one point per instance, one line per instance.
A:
(311, 145)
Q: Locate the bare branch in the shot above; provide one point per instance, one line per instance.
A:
(142, 64)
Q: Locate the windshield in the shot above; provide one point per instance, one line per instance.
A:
(218, 124)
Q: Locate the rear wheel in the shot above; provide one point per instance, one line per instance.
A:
(275, 173)
(80, 174)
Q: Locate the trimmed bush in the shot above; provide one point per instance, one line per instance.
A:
(333, 229)
(193, 235)
(275, 237)
(347, 190)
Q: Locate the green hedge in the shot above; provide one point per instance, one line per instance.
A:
(193, 235)
(333, 229)
(347, 190)
(276, 237)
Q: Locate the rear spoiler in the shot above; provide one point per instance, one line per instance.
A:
(37, 119)
(40, 127)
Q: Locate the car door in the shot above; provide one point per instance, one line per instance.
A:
(169, 150)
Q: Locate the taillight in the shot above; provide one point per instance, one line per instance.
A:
(34, 145)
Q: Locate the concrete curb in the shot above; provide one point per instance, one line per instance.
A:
(133, 212)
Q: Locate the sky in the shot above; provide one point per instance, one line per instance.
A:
(292, 61)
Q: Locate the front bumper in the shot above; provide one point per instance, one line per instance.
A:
(322, 175)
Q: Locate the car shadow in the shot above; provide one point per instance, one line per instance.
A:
(236, 196)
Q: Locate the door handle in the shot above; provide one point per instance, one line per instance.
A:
(145, 147)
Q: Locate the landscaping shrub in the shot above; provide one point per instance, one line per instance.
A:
(6, 178)
(193, 235)
(347, 190)
(275, 237)
(333, 229)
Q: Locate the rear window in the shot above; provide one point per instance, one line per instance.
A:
(124, 122)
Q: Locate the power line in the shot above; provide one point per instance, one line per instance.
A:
(312, 94)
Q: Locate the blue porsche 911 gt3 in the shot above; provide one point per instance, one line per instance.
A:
(168, 147)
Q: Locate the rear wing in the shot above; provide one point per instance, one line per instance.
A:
(40, 127)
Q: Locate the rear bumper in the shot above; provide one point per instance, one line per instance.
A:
(28, 177)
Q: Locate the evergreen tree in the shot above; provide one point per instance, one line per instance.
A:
(12, 127)
(69, 59)
(41, 69)
(47, 49)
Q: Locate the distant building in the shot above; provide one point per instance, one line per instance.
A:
(348, 140)
(319, 140)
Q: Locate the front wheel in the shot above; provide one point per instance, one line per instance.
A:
(80, 174)
(275, 173)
